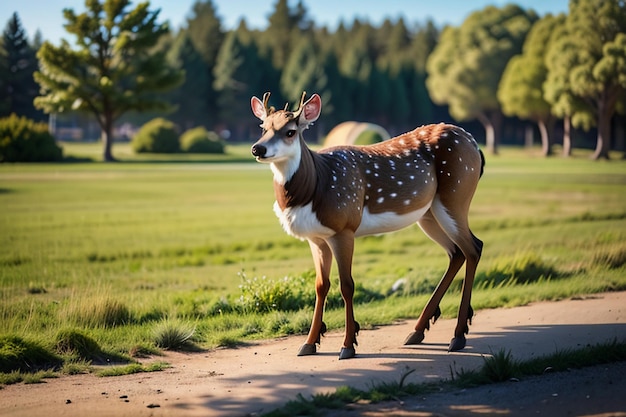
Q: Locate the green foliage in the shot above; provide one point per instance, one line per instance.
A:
(114, 69)
(133, 368)
(265, 294)
(99, 312)
(17, 65)
(19, 354)
(368, 137)
(173, 334)
(156, 136)
(23, 140)
(74, 343)
(199, 140)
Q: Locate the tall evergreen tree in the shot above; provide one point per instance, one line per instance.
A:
(17, 66)
(191, 97)
(236, 76)
(114, 69)
(204, 29)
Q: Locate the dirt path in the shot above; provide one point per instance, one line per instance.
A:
(258, 378)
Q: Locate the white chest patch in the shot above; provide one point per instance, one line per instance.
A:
(301, 222)
(374, 224)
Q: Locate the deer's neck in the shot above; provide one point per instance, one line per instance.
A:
(297, 179)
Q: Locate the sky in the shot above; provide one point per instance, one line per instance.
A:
(47, 15)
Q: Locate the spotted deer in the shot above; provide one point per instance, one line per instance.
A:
(427, 176)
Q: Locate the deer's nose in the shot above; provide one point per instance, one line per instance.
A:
(259, 151)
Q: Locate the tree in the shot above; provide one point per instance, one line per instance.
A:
(204, 30)
(192, 96)
(303, 72)
(114, 68)
(236, 75)
(465, 68)
(521, 88)
(593, 49)
(17, 65)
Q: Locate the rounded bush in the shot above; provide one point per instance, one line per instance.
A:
(157, 136)
(200, 140)
(24, 140)
(368, 137)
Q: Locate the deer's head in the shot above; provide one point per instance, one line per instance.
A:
(282, 129)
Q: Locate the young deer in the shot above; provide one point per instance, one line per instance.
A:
(427, 176)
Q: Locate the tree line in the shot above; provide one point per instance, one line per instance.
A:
(503, 68)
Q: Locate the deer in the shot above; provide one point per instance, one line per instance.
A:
(330, 197)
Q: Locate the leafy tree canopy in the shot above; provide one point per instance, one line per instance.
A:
(114, 68)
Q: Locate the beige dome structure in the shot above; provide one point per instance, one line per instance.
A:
(346, 133)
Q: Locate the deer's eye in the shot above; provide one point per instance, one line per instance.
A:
(291, 133)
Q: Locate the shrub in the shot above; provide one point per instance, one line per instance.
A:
(156, 136)
(24, 140)
(368, 137)
(199, 140)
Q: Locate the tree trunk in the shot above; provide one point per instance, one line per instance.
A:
(567, 136)
(492, 131)
(107, 140)
(546, 146)
(528, 136)
(603, 145)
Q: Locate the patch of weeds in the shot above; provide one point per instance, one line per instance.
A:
(174, 335)
(133, 368)
(8, 378)
(18, 354)
(70, 342)
(38, 377)
(521, 269)
(612, 259)
(76, 368)
(101, 312)
(142, 351)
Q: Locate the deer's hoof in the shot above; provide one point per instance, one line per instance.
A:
(307, 350)
(457, 343)
(347, 353)
(414, 338)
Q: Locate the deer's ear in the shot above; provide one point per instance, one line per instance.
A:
(258, 108)
(311, 111)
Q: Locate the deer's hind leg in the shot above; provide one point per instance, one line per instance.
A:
(433, 230)
(452, 217)
(322, 258)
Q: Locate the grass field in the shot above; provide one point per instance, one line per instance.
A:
(120, 252)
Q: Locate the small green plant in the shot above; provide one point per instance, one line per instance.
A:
(133, 368)
(173, 334)
(199, 140)
(157, 136)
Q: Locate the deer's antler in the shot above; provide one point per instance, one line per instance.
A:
(266, 99)
(296, 113)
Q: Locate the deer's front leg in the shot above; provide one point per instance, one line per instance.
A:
(342, 246)
(322, 257)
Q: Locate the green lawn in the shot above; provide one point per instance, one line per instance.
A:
(112, 250)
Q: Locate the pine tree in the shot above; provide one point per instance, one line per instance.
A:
(114, 68)
(18, 63)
